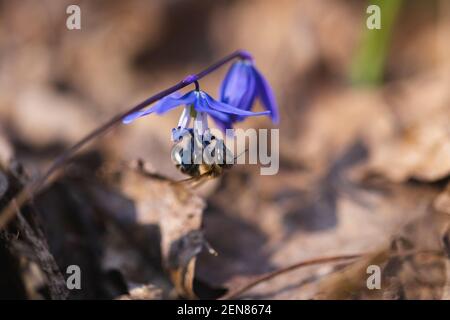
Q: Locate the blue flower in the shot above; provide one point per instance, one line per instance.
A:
(198, 104)
(241, 86)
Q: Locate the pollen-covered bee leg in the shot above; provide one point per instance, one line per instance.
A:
(200, 180)
(188, 181)
(194, 182)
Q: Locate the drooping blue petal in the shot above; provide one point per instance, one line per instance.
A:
(171, 102)
(201, 105)
(234, 87)
(247, 99)
(238, 87)
(131, 117)
(265, 93)
(242, 84)
(229, 81)
(163, 105)
(223, 107)
(222, 120)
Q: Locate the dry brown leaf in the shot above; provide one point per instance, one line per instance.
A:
(442, 201)
(147, 292)
(413, 266)
(178, 213)
(419, 147)
(299, 217)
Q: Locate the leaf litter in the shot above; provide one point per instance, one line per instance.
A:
(363, 171)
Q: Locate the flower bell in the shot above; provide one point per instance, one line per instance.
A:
(197, 104)
(241, 86)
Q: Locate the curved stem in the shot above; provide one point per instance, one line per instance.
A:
(233, 294)
(8, 212)
(252, 283)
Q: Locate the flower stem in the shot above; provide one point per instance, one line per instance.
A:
(267, 276)
(9, 211)
(197, 85)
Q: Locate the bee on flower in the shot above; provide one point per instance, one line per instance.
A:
(243, 84)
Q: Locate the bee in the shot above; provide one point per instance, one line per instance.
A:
(189, 157)
(185, 156)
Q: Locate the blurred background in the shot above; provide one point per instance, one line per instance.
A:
(364, 147)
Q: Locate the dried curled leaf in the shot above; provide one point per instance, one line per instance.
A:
(413, 266)
(419, 144)
(178, 213)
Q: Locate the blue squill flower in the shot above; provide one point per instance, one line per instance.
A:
(198, 104)
(242, 85)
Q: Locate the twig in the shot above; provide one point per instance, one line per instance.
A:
(252, 283)
(35, 239)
